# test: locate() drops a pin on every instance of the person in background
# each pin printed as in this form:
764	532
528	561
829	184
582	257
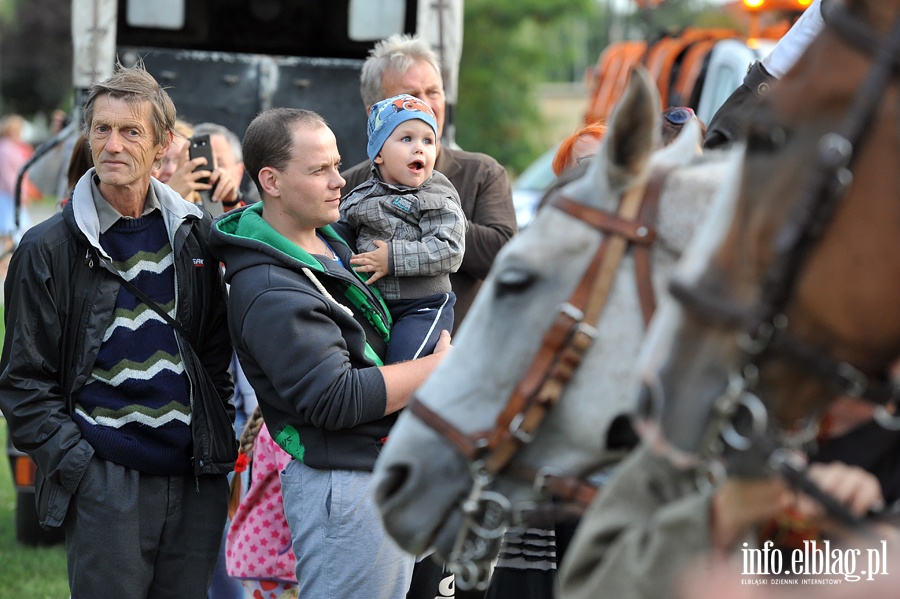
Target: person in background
409	226
227	151
14	153
581	144
176	156
403	64
730	121
182	173
225	179
58	120
125	412
673	120
258	547
311	338
80	162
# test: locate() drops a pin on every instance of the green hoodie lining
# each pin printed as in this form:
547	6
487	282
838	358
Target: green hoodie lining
249	224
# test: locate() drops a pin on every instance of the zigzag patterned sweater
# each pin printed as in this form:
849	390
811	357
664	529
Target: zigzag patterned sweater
135	409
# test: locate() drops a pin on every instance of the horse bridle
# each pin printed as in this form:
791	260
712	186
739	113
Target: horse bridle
764	327
561	352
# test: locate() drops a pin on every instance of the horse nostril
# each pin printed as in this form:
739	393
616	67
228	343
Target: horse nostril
392	481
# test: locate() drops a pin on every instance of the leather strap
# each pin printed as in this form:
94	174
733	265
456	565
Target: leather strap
468	447
643	253
612	224
568	489
153	305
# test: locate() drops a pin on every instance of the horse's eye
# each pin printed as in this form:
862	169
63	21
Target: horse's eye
513	281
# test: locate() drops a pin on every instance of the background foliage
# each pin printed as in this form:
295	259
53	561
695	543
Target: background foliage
35	56
505	55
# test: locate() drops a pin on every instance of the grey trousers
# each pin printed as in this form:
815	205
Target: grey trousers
341	546
131	535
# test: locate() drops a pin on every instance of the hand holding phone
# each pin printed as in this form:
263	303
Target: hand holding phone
201	146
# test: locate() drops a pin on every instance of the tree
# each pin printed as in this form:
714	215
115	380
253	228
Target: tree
505	56
36	50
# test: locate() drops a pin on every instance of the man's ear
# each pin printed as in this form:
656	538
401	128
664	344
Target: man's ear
164	147
268	180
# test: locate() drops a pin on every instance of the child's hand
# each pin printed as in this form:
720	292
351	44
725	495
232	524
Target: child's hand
375	262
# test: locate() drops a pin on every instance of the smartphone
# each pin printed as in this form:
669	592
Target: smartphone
200	146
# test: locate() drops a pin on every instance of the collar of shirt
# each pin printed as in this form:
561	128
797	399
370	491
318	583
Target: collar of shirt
108	216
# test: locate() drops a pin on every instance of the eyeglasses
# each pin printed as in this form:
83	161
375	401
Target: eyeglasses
678	115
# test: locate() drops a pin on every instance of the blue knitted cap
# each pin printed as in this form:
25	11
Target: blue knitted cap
387	114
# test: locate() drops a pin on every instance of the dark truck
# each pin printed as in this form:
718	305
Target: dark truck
224	61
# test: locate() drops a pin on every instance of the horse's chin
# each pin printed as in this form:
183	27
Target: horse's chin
418	525
445	536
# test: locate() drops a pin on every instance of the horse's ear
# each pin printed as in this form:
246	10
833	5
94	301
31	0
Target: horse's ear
633	128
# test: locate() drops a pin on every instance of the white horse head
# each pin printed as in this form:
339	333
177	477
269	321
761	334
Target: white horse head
422	480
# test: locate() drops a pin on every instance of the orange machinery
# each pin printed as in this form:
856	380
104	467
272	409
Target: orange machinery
677	61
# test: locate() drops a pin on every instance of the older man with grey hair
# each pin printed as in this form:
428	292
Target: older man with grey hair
115	362
403	64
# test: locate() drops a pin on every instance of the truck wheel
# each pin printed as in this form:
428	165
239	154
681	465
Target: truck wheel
28	530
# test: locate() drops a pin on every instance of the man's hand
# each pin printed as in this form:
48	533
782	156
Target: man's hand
852	486
737	505
375	262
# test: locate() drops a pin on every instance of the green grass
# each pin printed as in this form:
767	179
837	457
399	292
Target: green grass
25	572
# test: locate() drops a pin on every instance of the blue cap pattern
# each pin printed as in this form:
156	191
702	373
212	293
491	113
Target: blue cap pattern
385	115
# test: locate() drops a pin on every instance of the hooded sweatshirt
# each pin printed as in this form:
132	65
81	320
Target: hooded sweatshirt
299	324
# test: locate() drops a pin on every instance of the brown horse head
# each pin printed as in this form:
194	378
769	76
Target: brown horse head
798	301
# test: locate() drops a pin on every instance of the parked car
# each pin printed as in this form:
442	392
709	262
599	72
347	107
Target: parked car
529	187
